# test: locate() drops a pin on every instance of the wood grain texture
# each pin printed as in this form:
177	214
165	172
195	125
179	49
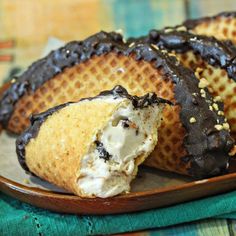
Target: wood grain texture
131	202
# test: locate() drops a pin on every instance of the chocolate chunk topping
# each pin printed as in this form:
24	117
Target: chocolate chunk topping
102	151
202	140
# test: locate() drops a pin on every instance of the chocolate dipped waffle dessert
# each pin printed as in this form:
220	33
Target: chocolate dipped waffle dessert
92	147
213	61
193	139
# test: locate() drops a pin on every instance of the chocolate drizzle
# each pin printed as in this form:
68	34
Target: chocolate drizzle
192	23
213	51
138	102
206	146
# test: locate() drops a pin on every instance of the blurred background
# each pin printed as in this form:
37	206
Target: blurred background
27	26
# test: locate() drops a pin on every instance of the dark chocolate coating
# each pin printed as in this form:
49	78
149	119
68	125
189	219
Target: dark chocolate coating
192	23
138	102
207	147
215	52
44	69
37	120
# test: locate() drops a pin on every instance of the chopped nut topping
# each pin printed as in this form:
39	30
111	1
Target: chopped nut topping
181	28
226	126
13	81
203	93
217	99
193	39
220	113
131	45
203	83
173	55
164	51
192	120
218	127
168	30
155	46
215	106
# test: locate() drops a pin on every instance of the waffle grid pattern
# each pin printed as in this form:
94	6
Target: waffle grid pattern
223	28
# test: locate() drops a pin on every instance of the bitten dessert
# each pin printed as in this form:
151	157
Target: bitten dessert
222	26
92	147
193	139
213	61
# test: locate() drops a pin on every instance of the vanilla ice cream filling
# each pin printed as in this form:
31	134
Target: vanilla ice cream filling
109	166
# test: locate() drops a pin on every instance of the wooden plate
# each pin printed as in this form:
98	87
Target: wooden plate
151	189
143	200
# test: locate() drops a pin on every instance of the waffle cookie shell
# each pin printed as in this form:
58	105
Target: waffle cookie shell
102	61
222	26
